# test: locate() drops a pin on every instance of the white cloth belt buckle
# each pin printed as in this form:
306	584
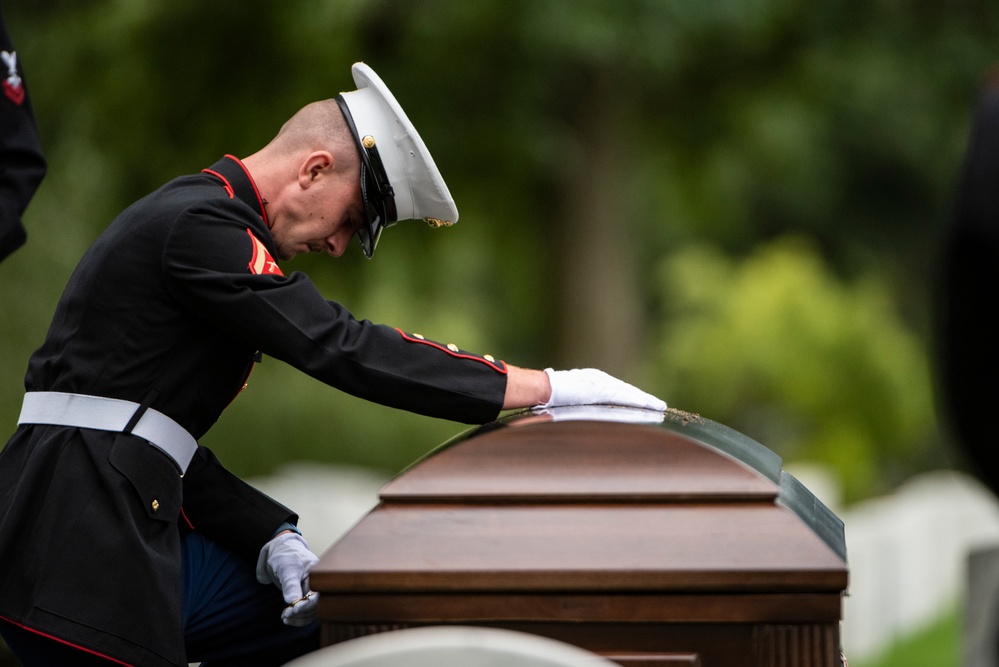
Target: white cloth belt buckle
109	414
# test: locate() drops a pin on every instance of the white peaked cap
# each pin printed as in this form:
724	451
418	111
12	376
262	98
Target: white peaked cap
419	189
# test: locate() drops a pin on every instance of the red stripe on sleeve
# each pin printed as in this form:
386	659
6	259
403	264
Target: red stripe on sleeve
497	366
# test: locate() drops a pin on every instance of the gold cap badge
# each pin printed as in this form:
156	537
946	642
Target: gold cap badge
437	223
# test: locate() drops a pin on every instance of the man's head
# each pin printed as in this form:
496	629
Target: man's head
346	166
307	176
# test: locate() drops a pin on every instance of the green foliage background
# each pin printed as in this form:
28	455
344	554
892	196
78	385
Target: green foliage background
734	204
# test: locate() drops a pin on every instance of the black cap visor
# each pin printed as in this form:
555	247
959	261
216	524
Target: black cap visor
377	196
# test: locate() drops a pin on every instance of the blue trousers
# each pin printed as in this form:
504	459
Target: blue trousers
230	619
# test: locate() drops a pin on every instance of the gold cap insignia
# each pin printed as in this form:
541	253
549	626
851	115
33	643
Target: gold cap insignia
368	141
437	223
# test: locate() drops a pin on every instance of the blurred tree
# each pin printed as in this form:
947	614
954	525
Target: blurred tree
818	369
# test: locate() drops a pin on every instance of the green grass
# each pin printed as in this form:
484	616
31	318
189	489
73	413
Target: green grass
937	645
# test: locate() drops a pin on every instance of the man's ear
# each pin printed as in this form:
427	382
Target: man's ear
315	165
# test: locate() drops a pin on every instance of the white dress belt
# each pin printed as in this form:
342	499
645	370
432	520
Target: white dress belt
109	414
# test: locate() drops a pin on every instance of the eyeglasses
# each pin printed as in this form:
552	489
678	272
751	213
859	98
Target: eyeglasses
377	195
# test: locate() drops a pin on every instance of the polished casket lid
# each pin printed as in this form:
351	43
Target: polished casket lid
593	499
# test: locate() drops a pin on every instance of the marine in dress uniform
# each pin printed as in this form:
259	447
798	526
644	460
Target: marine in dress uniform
22	164
110	512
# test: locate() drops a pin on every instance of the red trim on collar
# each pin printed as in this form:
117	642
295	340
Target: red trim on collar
260	200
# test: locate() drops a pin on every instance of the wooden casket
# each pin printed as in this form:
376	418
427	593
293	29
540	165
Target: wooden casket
651	541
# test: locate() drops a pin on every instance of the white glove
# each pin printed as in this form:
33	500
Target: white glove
285	561
589	386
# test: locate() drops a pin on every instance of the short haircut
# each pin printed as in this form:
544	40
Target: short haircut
318	126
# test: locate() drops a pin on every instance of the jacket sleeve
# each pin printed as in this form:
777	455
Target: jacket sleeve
22	164
207	262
